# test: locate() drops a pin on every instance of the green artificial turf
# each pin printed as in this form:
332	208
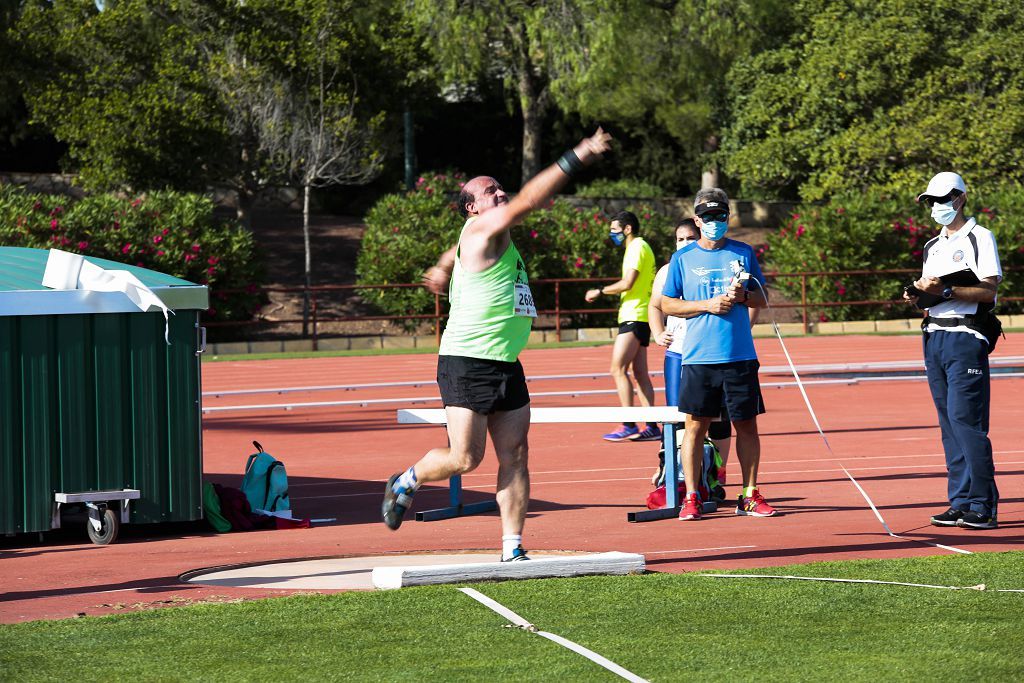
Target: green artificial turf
663	627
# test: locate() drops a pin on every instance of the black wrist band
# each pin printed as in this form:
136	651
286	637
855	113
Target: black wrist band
570	163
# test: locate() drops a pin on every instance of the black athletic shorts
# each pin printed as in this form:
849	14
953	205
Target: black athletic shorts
483	386
704	389
641	330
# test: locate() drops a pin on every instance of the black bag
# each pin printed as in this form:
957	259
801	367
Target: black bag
989	325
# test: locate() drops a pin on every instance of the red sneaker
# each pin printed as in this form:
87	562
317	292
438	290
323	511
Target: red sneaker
691	508
754	506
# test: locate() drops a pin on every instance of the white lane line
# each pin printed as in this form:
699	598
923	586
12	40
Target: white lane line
648	467
697	550
761	477
564	642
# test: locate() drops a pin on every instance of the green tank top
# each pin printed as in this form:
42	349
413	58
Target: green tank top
491	311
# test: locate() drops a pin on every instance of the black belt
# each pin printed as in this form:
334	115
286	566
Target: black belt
947	322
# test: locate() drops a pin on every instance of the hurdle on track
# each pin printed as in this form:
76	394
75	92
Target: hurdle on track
669	416
875	371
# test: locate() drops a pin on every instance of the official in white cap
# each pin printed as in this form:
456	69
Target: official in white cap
957	287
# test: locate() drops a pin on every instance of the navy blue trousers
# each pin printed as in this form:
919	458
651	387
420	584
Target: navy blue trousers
958	376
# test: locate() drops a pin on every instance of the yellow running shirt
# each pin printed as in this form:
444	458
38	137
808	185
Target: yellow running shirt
633	303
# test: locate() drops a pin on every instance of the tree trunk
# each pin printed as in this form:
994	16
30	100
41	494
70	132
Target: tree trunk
531	103
709	176
309	260
244	209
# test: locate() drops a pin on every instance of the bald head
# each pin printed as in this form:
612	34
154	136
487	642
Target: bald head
481	194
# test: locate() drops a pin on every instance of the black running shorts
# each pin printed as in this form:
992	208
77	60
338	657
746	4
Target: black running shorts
484	386
704	389
641	330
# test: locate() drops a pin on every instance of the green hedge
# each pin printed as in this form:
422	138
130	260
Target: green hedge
624	187
169	232
867	233
405	234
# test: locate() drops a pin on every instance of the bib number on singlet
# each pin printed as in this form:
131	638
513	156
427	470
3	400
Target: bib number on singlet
523	301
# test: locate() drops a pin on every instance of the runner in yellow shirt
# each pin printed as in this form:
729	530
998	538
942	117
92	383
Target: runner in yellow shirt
630	349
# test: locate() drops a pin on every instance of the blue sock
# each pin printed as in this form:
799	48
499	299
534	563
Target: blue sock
407	482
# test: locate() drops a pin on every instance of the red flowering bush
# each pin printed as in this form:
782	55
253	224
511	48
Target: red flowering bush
875	234
406	233
169	232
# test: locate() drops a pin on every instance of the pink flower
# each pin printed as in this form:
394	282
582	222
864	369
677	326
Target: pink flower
211	270
189	257
823	318
394	230
140	264
166	230
37	206
195	248
160	253
841	290
579	262
136	202
126	248
157	239
213	260
533	234
53	224
800	230
65	241
117	226
795	216
83	245
840	210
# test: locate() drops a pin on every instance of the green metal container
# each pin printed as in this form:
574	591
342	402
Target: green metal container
92	398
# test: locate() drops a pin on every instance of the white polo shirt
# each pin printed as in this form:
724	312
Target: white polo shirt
972	246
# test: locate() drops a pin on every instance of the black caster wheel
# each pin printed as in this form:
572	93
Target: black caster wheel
109	526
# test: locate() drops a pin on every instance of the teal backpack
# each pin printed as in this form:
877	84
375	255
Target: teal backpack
265	483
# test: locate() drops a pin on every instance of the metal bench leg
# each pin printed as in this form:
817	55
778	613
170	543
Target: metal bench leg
456	508
671	509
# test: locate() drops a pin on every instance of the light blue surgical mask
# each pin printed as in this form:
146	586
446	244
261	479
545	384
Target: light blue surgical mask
682	243
617	238
714	230
943	214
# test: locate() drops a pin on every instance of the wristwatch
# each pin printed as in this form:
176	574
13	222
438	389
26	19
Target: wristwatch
947	293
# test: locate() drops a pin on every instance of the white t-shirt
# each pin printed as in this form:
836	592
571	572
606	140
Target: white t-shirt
677	326
972	246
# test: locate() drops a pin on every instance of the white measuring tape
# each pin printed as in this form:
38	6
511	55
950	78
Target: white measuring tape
518	622
979	587
814	417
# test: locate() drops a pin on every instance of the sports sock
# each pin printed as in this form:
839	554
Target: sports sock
407	482
748	491
509	542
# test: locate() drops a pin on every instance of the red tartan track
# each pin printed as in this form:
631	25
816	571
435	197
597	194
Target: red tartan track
884	432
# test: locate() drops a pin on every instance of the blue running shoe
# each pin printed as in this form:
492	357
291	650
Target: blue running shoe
623	434
395	504
518	555
650	433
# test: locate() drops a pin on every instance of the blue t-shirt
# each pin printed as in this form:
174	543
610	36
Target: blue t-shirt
696	273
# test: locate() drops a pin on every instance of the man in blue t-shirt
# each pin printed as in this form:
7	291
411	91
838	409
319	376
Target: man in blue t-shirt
705	284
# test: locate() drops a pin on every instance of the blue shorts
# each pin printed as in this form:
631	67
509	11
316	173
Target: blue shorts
704	388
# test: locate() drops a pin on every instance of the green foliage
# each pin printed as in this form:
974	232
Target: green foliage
880	95
183	94
168	232
859	232
624	187
406	233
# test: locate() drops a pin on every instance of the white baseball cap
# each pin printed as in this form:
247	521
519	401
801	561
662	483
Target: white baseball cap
942	184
